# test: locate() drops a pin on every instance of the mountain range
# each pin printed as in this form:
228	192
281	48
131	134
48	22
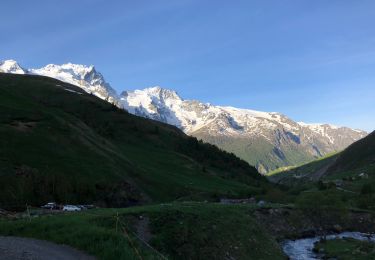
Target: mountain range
267	140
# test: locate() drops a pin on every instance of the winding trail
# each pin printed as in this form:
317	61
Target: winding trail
17	248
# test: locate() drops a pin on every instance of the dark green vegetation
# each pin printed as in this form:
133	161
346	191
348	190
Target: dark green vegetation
358	155
212	232
346	249
324	209
73	147
179	231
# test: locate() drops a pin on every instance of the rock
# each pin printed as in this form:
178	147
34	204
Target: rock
337	228
3	212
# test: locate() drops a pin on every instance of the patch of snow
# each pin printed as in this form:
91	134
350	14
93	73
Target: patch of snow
73	91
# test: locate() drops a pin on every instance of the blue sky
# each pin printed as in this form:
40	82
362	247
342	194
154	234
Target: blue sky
311	60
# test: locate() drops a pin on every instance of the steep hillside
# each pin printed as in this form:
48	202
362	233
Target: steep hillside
60	143
357	155
356	159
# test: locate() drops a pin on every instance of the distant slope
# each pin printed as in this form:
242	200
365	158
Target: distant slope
309	172
358	157
60	143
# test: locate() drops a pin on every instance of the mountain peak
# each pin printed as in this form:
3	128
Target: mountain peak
9	62
11	66
154	93
157	90
86	77
83	76
76	70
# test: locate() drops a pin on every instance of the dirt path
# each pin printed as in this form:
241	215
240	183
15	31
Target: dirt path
143	230
18	248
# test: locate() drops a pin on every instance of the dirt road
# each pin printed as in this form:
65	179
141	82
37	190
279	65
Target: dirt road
17	248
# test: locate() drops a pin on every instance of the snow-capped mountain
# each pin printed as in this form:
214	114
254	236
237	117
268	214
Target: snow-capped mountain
83	76
11	66
267	140
193	116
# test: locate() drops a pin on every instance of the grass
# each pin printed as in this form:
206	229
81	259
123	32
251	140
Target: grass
179	231
77	230
302	173
347	249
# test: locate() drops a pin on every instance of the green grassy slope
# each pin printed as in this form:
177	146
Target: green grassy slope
59	145
178	231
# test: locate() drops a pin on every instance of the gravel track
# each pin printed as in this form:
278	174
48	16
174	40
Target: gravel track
19	248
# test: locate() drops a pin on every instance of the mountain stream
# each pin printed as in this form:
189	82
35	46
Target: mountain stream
302	249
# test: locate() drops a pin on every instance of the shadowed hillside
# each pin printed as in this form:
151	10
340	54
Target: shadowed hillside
60	143
359	154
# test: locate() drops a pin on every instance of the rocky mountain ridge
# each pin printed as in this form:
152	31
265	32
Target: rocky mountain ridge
267	140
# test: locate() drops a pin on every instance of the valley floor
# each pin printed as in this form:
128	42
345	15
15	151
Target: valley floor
181	230
165	231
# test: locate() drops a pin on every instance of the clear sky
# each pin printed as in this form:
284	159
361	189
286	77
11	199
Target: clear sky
311	60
